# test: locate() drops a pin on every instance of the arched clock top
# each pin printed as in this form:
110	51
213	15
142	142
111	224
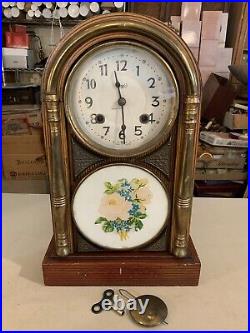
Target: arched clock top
81	39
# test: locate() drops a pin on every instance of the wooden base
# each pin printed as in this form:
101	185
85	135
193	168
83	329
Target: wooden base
121	269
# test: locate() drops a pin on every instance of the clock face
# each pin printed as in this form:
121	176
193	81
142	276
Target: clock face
117	206
121	99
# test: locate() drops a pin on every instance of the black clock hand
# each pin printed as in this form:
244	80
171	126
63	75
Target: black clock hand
117	84
121	102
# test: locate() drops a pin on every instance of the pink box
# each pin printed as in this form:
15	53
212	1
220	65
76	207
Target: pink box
208	53
224	59
223	28
211	23
195	51
191	32
176	22
191	11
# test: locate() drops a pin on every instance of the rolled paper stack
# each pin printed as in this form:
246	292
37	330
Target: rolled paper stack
58	10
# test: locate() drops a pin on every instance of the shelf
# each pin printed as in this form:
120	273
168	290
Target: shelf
19	85
234	175
48	22
25	70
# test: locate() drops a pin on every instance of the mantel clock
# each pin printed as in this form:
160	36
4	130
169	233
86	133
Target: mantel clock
121	102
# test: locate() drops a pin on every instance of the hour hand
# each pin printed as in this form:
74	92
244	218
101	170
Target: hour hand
117	83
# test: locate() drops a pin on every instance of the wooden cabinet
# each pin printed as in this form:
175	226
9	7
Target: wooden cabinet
237	30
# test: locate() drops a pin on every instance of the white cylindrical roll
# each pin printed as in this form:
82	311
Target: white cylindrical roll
46	13
30	13
62	4
15	12
34	7
73	11
94	7
20	5
38	3
38	13
12	4
106	11
84	10
5	4
119	5
7	13
63	12
48	5
73	3
56	14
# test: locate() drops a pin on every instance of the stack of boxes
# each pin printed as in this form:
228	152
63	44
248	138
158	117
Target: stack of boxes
214	57
206	38
22	136
17	54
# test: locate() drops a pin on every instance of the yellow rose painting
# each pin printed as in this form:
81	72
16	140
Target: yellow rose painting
124	206
113	207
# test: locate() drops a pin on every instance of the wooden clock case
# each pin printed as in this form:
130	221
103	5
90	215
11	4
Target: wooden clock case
170	259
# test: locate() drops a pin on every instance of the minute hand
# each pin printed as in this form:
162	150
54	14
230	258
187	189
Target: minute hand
121	102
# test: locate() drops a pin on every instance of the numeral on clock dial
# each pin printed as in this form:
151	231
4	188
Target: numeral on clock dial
106	129
91	84
121	65
104	69
89	102
138	130
151	81
155	102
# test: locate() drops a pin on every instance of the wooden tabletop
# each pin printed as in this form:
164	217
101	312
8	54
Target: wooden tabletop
219	231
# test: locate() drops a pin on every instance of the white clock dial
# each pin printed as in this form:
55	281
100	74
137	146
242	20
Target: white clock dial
121	96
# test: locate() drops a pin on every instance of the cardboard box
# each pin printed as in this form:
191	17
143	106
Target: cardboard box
16	39
17	58
222	139
24	166
211	25
190	33
19	28
218	95
236	121
21	119
24	156
22	143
